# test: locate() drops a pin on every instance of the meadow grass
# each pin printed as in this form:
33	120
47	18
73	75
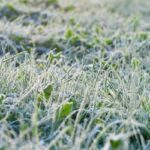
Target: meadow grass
74	75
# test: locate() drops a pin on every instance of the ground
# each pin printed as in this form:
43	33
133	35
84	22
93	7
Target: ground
74	75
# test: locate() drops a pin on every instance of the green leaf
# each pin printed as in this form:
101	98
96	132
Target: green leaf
2	97
11	7
143	36
65	110
54	56
23	1
135	63
75	39
69	33
24	126
47	91
98	29
116	144
40	97
69	8
17	38
108	41
52	2
72	21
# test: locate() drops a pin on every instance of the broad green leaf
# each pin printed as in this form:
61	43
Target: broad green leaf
65	110
143	36
116	144
108	41
69	33
47	91
75	39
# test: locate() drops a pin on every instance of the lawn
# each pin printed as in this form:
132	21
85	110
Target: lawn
74	75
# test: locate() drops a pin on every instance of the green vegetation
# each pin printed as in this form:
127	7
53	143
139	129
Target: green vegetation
74	75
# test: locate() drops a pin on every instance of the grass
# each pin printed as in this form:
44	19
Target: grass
74	76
